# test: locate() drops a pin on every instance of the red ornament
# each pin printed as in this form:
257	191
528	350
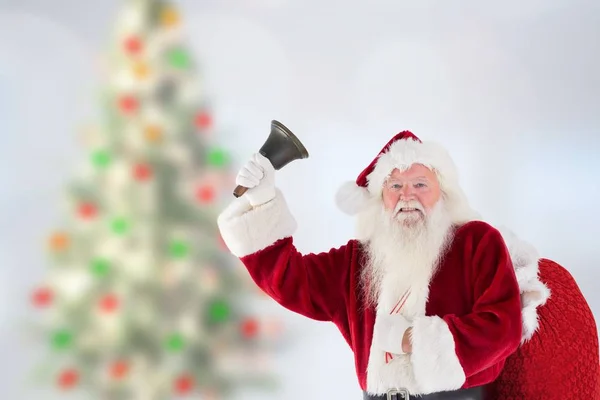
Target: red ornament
203	120
68	378
142	172
133	45
87	210
119	369
205	194
42	297
128	104
184	384
250	328
109	303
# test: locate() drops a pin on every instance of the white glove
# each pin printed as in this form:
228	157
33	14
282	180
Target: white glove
388	332
258	175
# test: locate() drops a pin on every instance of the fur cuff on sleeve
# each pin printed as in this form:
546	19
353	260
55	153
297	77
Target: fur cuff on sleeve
246	230
435	364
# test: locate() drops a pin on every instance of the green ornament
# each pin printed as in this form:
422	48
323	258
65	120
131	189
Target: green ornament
179	249
100	267
62	339
175	342
101	158
120	226
217	157
219	311
179	58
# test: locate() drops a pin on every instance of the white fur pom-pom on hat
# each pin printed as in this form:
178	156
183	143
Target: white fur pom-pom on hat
351	198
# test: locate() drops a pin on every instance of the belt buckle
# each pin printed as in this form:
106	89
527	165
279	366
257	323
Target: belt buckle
394	392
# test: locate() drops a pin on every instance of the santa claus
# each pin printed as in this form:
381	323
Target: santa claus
427	295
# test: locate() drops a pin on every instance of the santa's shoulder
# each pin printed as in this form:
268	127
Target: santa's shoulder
476	227
351	248
477	231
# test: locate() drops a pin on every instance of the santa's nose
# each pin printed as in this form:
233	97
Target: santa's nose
406	193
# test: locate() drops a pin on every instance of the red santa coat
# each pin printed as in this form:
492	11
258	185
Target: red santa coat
469	317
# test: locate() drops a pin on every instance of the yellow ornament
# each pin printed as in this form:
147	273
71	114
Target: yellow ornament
169	17
140	70
152	133
59	241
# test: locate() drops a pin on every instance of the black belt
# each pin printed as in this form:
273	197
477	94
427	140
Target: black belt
402	394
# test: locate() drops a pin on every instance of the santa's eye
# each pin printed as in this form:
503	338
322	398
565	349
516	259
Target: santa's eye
394	186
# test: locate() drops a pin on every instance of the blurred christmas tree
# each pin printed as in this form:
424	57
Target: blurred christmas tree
142	301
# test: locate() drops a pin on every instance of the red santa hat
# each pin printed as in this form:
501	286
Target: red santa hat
402	151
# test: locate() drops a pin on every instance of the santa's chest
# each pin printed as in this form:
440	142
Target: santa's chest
451	291
448	291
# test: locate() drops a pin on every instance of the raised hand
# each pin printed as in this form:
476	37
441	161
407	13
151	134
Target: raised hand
258	175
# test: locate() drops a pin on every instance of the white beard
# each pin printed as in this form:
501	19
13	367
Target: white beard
401	254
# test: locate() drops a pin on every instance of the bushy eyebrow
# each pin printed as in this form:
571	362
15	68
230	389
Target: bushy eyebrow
390	179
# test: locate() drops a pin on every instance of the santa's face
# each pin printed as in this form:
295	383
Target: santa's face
404	235
411	194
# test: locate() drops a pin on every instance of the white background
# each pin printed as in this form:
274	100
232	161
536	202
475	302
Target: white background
512	88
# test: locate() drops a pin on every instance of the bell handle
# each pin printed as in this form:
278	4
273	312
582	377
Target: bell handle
239	191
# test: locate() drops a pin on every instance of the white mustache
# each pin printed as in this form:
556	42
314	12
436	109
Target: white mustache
408	205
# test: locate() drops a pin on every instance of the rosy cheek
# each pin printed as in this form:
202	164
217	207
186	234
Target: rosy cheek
389	200
425	200
388	203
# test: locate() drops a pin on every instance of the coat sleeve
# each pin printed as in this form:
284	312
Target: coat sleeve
313	285
449	349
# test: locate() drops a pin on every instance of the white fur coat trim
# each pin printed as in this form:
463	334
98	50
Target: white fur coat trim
398	373
534	293
246	230
435	365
